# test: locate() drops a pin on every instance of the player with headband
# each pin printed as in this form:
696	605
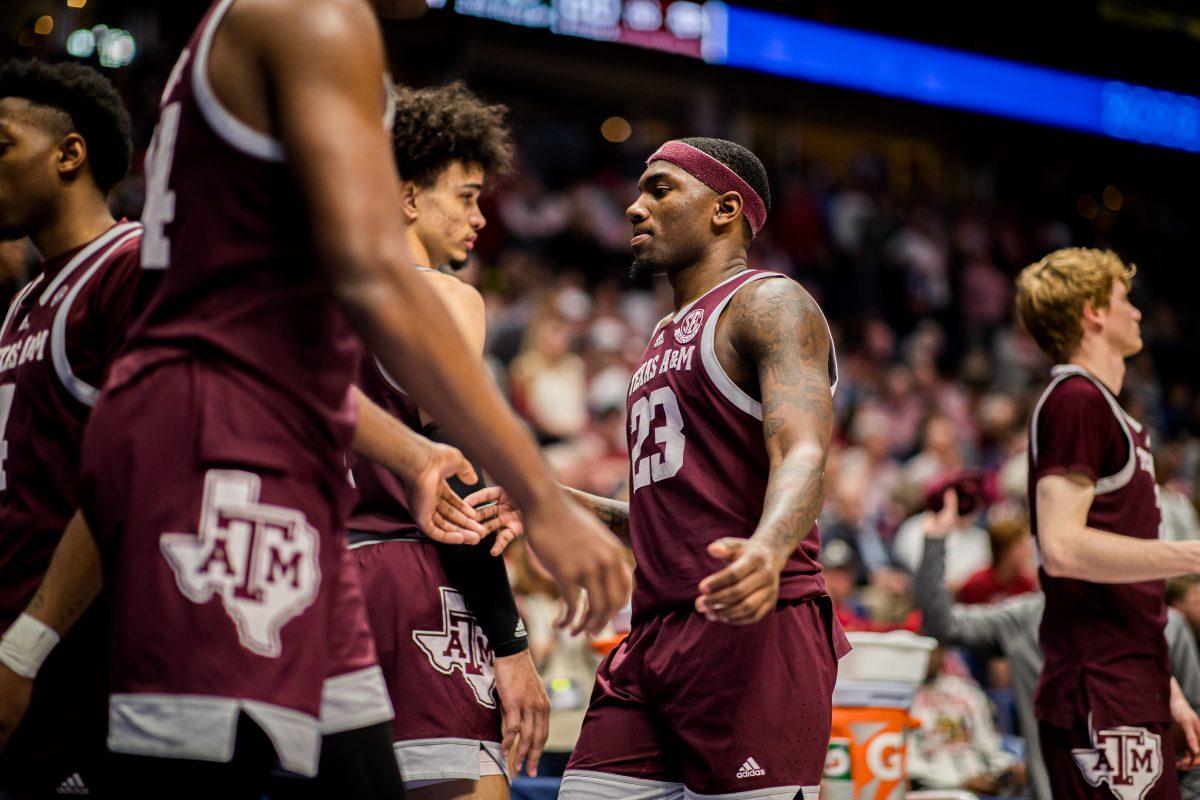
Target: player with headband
723	687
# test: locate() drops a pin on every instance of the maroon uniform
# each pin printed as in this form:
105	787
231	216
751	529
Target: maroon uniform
214	473
1103	697
435	658
683	700
58	338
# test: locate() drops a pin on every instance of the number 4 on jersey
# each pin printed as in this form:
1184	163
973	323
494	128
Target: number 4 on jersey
669	434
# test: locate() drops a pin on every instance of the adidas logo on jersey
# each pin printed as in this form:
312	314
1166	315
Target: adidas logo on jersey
520	631
72	785
658	342
751	769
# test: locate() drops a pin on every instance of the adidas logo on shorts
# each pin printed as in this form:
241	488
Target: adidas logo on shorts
751	769
72	785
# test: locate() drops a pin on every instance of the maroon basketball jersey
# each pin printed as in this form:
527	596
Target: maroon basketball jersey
61	333
1104	645
698	463
226	223
382	505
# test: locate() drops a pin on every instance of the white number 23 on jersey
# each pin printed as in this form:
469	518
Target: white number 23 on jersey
669	434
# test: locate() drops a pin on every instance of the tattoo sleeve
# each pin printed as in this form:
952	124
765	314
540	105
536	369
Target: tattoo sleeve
777	327
613	513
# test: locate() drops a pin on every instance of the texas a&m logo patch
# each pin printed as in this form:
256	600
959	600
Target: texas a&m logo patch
460	645
1127	759
259	559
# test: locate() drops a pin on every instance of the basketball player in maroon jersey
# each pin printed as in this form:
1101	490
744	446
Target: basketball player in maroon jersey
240	639
723	687
64	143
451	644
1106	699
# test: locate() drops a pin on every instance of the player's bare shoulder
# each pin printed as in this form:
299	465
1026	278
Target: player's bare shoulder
776	323
465	304
314	28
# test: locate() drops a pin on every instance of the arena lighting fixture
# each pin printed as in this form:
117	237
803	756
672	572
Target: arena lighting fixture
810	51
76	3
770	42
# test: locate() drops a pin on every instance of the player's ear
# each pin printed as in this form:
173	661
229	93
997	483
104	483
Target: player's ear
1091	314
408	199
71	155
728	210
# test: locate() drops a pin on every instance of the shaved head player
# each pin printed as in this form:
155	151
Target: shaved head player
723	687
240	637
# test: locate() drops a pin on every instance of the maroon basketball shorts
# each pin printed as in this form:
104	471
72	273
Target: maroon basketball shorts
232	590
436	661
687	708
1125	762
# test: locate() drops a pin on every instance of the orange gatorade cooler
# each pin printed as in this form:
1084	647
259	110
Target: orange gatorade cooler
875	688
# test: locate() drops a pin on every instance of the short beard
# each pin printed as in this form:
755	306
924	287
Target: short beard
642	269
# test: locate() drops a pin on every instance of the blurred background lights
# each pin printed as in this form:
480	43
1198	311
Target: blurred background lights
685	19
115	46
81	43
643	15
76	3
1113	199
616	129
1087	206
44	25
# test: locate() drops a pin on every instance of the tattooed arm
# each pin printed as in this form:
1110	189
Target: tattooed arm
777	332
613	513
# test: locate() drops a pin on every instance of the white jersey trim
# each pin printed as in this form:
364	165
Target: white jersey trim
20	296
355	700
232	130
712	365
101	241
1110	483
81	390
678	315
204	728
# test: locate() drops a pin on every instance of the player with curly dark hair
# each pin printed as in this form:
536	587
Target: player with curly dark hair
451	643
64	143
445	140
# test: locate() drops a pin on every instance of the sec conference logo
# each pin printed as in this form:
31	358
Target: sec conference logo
690	326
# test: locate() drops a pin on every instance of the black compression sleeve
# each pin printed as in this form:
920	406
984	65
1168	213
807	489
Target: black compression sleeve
483	581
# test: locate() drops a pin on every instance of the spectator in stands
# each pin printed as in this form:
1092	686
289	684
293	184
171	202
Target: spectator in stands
956	745
548	381
1012	570
1010	628
1179	519
1183	595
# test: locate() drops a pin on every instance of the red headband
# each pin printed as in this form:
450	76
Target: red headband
716	176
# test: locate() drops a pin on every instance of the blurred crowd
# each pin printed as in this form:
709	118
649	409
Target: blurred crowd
937	382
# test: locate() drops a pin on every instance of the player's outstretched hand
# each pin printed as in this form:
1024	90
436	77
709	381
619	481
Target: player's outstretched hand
580	554
497	513
526	711
1187	729
745	591
443	515
15	691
